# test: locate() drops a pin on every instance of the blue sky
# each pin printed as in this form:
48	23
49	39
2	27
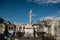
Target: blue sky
18	10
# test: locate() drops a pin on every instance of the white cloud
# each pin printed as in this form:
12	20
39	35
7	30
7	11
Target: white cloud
49	18
46	18
55	16
53	1
44	1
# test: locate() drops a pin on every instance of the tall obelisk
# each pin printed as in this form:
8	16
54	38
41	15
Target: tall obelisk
30	19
